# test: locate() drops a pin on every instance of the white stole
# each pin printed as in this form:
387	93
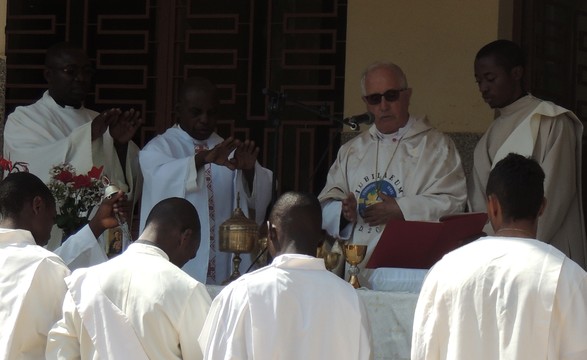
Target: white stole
109	328
523	138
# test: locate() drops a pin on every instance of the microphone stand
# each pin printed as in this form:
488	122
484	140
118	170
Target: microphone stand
277	102
275	108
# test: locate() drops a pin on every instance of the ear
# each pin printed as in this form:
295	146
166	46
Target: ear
272	239
408	92
494	211
47	75
517	72
542	207
185	238
37	204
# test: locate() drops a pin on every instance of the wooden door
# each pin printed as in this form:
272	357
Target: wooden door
554	35
143	49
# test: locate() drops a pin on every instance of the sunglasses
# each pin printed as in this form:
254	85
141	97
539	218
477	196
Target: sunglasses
390	95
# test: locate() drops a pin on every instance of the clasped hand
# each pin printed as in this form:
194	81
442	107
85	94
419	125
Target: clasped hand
377	214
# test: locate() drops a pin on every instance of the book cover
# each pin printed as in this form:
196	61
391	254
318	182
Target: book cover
420	244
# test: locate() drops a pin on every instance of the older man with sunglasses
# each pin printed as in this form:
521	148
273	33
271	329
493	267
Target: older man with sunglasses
401	168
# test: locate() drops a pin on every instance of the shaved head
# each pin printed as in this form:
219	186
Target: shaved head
174	226
298	218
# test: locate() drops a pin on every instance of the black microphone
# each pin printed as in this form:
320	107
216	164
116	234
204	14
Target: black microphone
354	121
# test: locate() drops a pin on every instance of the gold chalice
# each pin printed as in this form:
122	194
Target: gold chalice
354	254
331	260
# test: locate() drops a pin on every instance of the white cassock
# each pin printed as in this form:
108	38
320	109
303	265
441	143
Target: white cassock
291	309
552	136
169	170
418	165
135	306
31	294
502	298
45	134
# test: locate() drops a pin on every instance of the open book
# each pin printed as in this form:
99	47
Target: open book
420	244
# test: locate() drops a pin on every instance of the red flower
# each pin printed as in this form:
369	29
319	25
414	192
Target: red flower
81	181
95	172
5	164
64	176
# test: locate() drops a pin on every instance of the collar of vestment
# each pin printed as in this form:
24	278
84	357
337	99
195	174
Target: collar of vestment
146	249
298	261
520	104
16	236
212	141
49	99
393	137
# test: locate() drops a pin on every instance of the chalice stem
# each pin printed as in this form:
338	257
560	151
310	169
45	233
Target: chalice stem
354	280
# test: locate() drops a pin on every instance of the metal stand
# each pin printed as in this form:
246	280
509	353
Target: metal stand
277	102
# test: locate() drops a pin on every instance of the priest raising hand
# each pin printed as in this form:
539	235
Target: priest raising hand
101	122
245	158
218	155
190	160
125	125
58	128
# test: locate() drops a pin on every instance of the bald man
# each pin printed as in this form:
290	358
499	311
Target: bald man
139	305
293	308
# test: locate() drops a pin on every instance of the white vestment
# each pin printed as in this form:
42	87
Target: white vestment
137	305
31	294
45	134
502	298
557	148
169	170
418	165
291	309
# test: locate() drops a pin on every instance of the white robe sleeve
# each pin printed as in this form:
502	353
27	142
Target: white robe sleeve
81	250
560	183
29	141
164	176
62	341
229	314
260	196
440	187
569	315
193	318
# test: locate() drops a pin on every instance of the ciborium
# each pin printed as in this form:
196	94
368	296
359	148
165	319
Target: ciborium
237	235
326	251
331	260
354	255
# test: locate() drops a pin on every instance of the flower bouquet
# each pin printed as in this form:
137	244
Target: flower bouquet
75	195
